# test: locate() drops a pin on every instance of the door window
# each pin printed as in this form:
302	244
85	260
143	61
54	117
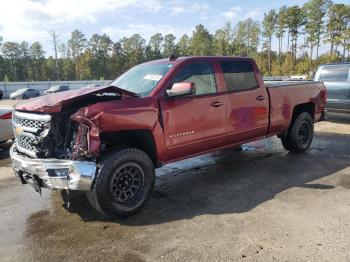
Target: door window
201	74
239	75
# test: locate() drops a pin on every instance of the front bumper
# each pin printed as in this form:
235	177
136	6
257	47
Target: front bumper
53	173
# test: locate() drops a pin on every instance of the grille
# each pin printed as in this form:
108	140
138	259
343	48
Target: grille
29	129
27	143
29	122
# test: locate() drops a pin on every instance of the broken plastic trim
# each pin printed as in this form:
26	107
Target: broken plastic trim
87	143
81	146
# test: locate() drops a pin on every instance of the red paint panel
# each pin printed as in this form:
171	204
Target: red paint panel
53	103
285	99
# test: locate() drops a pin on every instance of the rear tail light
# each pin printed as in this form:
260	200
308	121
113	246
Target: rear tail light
6	116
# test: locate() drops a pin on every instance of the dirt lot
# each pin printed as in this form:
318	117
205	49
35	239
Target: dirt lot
260	204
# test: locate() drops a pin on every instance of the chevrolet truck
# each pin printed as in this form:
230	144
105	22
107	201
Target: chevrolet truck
108	140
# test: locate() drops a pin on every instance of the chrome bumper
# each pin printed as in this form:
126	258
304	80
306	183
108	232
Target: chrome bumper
54	173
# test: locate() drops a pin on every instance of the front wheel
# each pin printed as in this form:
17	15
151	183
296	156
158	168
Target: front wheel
123	183
300	134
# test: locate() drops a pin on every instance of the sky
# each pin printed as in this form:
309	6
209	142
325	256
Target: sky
32	20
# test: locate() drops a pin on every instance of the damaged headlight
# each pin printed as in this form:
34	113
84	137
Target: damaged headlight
81	147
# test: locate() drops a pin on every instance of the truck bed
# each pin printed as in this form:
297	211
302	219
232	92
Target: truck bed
276	84
286	95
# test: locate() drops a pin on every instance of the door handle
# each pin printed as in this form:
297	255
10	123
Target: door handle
217	104
260	98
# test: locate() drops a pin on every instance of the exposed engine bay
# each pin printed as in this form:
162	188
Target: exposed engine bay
59	135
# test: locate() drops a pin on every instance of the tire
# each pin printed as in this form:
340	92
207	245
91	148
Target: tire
300	134
123	184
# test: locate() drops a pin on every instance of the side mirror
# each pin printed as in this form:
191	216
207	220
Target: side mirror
181	89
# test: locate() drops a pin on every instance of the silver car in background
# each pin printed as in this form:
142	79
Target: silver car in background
25	93
336	78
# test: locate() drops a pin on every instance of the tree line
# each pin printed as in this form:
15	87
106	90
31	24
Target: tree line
299	30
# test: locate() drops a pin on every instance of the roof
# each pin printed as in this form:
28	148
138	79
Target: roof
183	58
338	63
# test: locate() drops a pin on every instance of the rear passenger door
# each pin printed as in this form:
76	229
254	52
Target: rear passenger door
247	102
194	123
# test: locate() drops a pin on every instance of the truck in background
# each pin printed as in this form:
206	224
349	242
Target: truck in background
336	78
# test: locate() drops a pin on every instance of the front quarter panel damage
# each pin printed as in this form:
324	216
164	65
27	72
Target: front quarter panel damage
126	114
87	142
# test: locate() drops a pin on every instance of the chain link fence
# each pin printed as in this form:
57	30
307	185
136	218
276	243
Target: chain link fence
41	86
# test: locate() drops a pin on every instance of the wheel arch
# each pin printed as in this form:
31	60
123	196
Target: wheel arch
142	139
301	108
308	107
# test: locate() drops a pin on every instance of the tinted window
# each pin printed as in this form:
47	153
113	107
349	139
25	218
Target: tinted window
239	75
334	73
201	74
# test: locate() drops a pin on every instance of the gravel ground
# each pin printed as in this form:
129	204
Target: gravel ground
260	204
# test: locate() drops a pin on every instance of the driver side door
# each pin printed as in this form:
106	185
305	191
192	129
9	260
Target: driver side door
194	123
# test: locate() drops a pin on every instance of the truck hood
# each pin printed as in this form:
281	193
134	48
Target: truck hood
53	103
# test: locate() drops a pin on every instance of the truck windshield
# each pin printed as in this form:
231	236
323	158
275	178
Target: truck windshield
142	79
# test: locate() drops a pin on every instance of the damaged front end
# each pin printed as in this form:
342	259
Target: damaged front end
54	147
60	136
53	151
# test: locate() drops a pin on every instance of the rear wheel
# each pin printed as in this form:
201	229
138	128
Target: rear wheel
300	134
123	183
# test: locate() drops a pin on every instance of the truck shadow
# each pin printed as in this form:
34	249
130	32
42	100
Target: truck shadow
233	182
338	118
5	153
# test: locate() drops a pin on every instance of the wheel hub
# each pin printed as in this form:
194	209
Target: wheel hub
303	134
124	182
127	182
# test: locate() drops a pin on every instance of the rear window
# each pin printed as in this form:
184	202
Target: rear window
334	73
239	75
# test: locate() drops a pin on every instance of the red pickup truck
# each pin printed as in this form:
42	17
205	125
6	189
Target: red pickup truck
108	141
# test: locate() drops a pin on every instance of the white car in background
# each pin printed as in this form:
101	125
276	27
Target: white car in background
56	89
6	131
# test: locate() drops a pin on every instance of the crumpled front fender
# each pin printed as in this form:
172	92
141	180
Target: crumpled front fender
122	115
94	141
